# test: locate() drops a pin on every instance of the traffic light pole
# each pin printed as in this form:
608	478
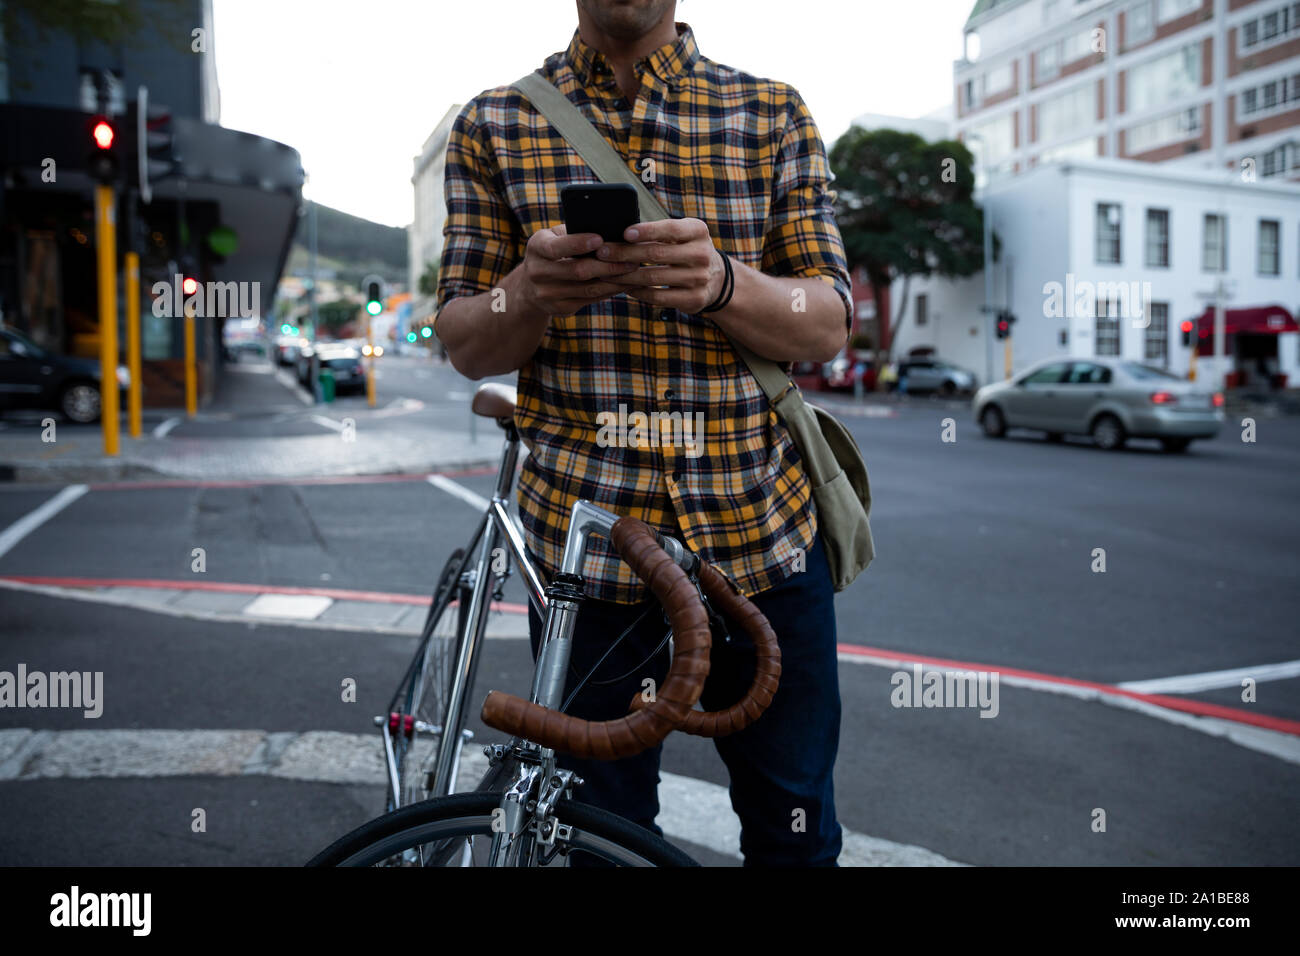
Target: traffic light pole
106	252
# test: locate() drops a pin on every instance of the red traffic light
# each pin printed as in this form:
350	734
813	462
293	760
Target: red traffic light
190	285
103	134
1187	325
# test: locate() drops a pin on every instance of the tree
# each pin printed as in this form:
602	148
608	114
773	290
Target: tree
905	208
429	279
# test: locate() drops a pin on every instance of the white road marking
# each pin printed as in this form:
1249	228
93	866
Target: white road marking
473	499
301	607
1213	680
327	422
691	810
165	428
34	519
1282	746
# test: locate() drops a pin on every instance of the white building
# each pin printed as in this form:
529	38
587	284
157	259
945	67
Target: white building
1078	236
424	237
1199	83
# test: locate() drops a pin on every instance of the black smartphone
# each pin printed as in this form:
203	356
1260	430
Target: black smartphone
604	208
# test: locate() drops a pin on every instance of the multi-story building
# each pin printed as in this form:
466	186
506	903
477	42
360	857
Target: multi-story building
1206	83
1138	161
424	237
224	214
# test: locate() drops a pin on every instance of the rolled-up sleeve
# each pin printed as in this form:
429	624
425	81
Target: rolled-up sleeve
482	239
802	237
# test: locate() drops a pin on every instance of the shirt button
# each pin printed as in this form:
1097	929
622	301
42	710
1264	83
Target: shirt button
669	393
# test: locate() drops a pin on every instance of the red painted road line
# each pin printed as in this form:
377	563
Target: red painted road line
1194	707
256	482
235	587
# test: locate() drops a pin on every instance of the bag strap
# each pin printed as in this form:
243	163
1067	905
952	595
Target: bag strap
610	167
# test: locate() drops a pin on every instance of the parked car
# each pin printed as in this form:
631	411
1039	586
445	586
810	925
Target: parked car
33	377
851	365
287	348
345	364
1110	399
929	375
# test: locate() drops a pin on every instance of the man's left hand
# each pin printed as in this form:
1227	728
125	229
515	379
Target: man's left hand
680	268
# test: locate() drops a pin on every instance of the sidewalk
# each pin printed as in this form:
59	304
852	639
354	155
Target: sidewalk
257	399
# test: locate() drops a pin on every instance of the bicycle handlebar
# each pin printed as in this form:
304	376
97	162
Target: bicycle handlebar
649	723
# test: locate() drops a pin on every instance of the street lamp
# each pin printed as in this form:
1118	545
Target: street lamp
987	308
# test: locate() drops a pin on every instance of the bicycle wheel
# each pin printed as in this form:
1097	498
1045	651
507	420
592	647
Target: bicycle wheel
457	831
424	694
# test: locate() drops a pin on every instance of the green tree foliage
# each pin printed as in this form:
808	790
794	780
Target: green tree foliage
130	22
905	208
429	279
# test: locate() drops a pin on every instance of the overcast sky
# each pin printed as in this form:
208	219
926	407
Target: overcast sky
356	87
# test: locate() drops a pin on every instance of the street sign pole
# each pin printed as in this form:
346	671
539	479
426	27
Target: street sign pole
134	387
106	251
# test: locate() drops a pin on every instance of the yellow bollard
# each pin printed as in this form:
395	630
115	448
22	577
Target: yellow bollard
370	378
1006	356
191	372
106	249
136	389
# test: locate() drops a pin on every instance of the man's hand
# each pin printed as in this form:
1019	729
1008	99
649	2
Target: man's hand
554	282
678	266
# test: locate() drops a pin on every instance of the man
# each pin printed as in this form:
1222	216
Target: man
738	162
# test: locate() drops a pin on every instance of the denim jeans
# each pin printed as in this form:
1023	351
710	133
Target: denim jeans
781	766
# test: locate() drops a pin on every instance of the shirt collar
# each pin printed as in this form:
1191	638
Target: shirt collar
670	63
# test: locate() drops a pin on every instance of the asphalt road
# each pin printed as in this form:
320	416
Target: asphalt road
986	555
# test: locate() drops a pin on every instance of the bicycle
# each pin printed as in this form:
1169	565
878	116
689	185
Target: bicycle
522	812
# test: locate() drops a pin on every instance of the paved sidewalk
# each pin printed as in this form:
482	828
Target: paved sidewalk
259	397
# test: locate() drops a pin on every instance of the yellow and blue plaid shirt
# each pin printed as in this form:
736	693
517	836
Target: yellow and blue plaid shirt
712	143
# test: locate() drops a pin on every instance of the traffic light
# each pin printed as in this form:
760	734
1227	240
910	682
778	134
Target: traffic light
155	155
410	336
426	332
102	160
1187	332
374	297
1005	319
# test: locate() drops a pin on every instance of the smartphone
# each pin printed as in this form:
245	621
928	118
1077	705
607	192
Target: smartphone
604	208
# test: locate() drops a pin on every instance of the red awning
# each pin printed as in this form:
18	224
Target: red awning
1267	319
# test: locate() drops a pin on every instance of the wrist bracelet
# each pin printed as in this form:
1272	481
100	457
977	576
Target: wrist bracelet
728	287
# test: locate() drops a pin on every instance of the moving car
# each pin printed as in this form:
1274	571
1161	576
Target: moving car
33	377
341	359
927	374
1110	399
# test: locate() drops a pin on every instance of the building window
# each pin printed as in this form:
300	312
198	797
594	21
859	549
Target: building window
1067	114
922	307
1077	46
1214	244
1173	9
1158	238
1274	96
968	93
1171	128
1155	347
1106	333
1085	148
998	79
1047	62
1138	25
1279	24
1270	233
996	140
1165	79
1108	229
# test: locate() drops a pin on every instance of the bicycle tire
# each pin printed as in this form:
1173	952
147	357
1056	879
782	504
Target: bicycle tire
463	815
427	683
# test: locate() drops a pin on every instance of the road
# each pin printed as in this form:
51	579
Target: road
988	555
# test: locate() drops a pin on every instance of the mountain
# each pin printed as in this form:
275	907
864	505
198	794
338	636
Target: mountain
350	247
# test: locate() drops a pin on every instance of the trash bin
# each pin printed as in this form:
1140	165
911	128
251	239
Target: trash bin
326	385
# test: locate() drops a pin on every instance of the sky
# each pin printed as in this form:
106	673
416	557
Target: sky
356	87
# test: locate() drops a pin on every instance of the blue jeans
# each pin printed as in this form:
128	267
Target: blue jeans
781	766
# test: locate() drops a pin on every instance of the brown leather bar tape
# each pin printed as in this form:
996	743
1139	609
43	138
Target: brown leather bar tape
767	665
625	736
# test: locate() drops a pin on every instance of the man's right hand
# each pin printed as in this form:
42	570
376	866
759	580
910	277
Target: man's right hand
554	281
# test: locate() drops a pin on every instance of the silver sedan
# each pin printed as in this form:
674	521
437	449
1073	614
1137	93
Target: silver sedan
1110	399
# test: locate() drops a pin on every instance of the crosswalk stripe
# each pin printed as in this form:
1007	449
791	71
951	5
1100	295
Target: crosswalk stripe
692	811
37	517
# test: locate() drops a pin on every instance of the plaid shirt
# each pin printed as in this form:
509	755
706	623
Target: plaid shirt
743	155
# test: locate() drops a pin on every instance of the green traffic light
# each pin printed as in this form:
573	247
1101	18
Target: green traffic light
410	336
374	308
426	331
